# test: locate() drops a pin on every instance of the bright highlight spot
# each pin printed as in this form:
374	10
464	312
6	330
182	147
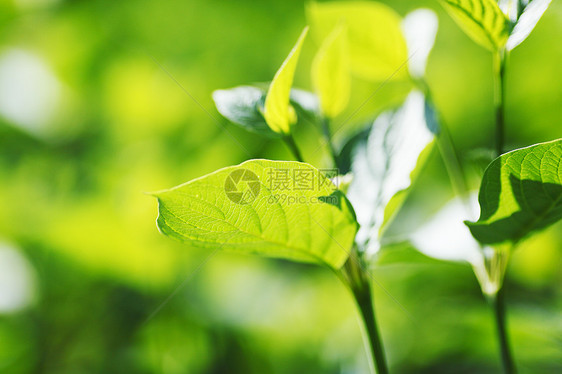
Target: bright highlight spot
17	283
29	92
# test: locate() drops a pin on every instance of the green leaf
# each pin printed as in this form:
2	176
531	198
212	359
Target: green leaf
241	105
531	15
377	48
482	20
521	192
278	113
331	73
278	209
383	166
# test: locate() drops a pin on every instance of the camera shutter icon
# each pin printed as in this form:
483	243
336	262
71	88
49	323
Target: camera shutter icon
242	186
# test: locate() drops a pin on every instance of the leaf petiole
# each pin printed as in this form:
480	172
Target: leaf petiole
448	152
292	145
358	282
328	138
500	61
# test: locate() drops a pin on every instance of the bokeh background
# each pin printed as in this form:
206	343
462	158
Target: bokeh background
92	115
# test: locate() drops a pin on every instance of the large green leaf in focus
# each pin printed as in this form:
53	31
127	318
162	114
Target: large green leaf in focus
383	164
377	48
278	112
278	209
482	20
521	192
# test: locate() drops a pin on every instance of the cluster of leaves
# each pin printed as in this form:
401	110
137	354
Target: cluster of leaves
381	157
497	25
238	208
521	191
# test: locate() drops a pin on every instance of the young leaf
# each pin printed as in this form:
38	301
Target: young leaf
521	192
482	20
241	105
420	29
377	48
531	15
331	74
382	165
278	112
278	209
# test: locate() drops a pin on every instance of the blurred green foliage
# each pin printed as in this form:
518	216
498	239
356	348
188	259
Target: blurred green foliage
101	101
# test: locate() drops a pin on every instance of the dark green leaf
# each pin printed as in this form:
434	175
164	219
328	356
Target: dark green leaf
243	106
521	192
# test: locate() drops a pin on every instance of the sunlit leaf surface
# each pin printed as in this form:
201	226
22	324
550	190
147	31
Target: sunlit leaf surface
278	112
377	47
482	20
331	73
279	209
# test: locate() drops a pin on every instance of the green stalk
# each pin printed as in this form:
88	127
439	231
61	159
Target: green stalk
500	60
328	137
496	299
497	303
290	142
358	282
364	300
453	165
448	153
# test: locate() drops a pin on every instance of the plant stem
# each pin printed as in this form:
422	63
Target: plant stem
497	303
364	299
496	299
328	137
453	165
448	152
359	284
500	60
290	141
